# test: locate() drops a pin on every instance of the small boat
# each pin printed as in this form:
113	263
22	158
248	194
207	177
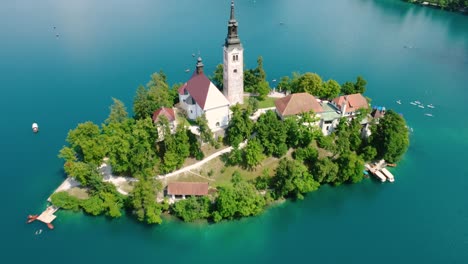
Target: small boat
398	102
187	70
417	102
428	114
274	80
421	106
38	232
430	106
281	23
50	226
35	128
57	35
31	218
391	164
193	54
413	103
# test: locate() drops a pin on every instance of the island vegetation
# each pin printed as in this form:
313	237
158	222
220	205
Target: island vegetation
452	5
138	147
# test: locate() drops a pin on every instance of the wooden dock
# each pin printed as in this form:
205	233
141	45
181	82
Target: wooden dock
47	216
378	169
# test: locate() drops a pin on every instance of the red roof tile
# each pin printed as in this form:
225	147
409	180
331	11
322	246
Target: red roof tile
297	103
187	188
167	112
354	102
198	87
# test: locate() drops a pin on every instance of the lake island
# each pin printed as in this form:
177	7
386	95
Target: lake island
228	146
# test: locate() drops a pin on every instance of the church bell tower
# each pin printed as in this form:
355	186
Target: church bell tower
233	62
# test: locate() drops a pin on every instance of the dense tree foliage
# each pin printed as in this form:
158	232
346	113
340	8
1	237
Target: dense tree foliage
271	132
255	80
192	208
253	153
351	88
118	112
301	129
86	140
218	76
65	201
205	132
239	128
239	200
390	137
445	4
156	95
292	179
142	201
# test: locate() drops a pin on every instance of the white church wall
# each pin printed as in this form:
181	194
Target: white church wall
217	117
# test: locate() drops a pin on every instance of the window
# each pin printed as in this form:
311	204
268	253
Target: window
235	57
191	111
217	124
235	70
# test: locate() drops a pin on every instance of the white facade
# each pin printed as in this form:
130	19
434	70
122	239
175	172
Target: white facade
233	75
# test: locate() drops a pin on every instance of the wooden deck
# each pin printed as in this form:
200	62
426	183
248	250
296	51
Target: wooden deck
48	215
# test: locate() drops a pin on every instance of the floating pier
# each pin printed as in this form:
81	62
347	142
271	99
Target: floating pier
378	170
46	217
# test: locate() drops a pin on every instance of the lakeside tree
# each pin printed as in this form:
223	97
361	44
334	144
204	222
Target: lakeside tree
156	95
390	137
118	112
192	208
292	179
255	80
330	89
118	141
308	82
351	88
239	200
285	84
326	171
142	146
351	168
86	140
142	200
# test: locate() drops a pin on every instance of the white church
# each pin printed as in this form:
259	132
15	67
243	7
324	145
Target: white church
200	96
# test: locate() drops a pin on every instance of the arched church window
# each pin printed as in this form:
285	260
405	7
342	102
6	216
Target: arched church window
235	70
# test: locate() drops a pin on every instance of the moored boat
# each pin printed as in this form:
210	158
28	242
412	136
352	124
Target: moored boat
35	128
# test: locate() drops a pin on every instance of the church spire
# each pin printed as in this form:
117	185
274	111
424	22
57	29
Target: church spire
232	10
232	37
199	66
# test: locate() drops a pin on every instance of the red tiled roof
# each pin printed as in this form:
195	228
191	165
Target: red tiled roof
297	103
181	89
198	87
187	188
167	112
355	102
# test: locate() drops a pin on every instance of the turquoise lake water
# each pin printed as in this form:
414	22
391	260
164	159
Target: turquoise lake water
107	48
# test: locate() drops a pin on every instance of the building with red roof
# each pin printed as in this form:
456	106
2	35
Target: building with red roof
199	96
349	105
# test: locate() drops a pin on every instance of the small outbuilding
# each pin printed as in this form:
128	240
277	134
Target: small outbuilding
183	189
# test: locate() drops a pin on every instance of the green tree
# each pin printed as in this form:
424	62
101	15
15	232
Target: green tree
65	201
284	84
326	171
218	76
252	105
309	82
253	153
262	89
203	128
368	153
143	203
87	141
272	135
292	179
142	141
118	141
351	168
331	89
239	128
351	88
192	208
156	95
390	137
118	112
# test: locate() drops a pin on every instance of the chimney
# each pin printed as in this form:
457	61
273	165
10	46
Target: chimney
343	106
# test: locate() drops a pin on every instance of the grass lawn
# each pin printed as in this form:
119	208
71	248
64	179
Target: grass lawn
268	102
221	174
80	193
